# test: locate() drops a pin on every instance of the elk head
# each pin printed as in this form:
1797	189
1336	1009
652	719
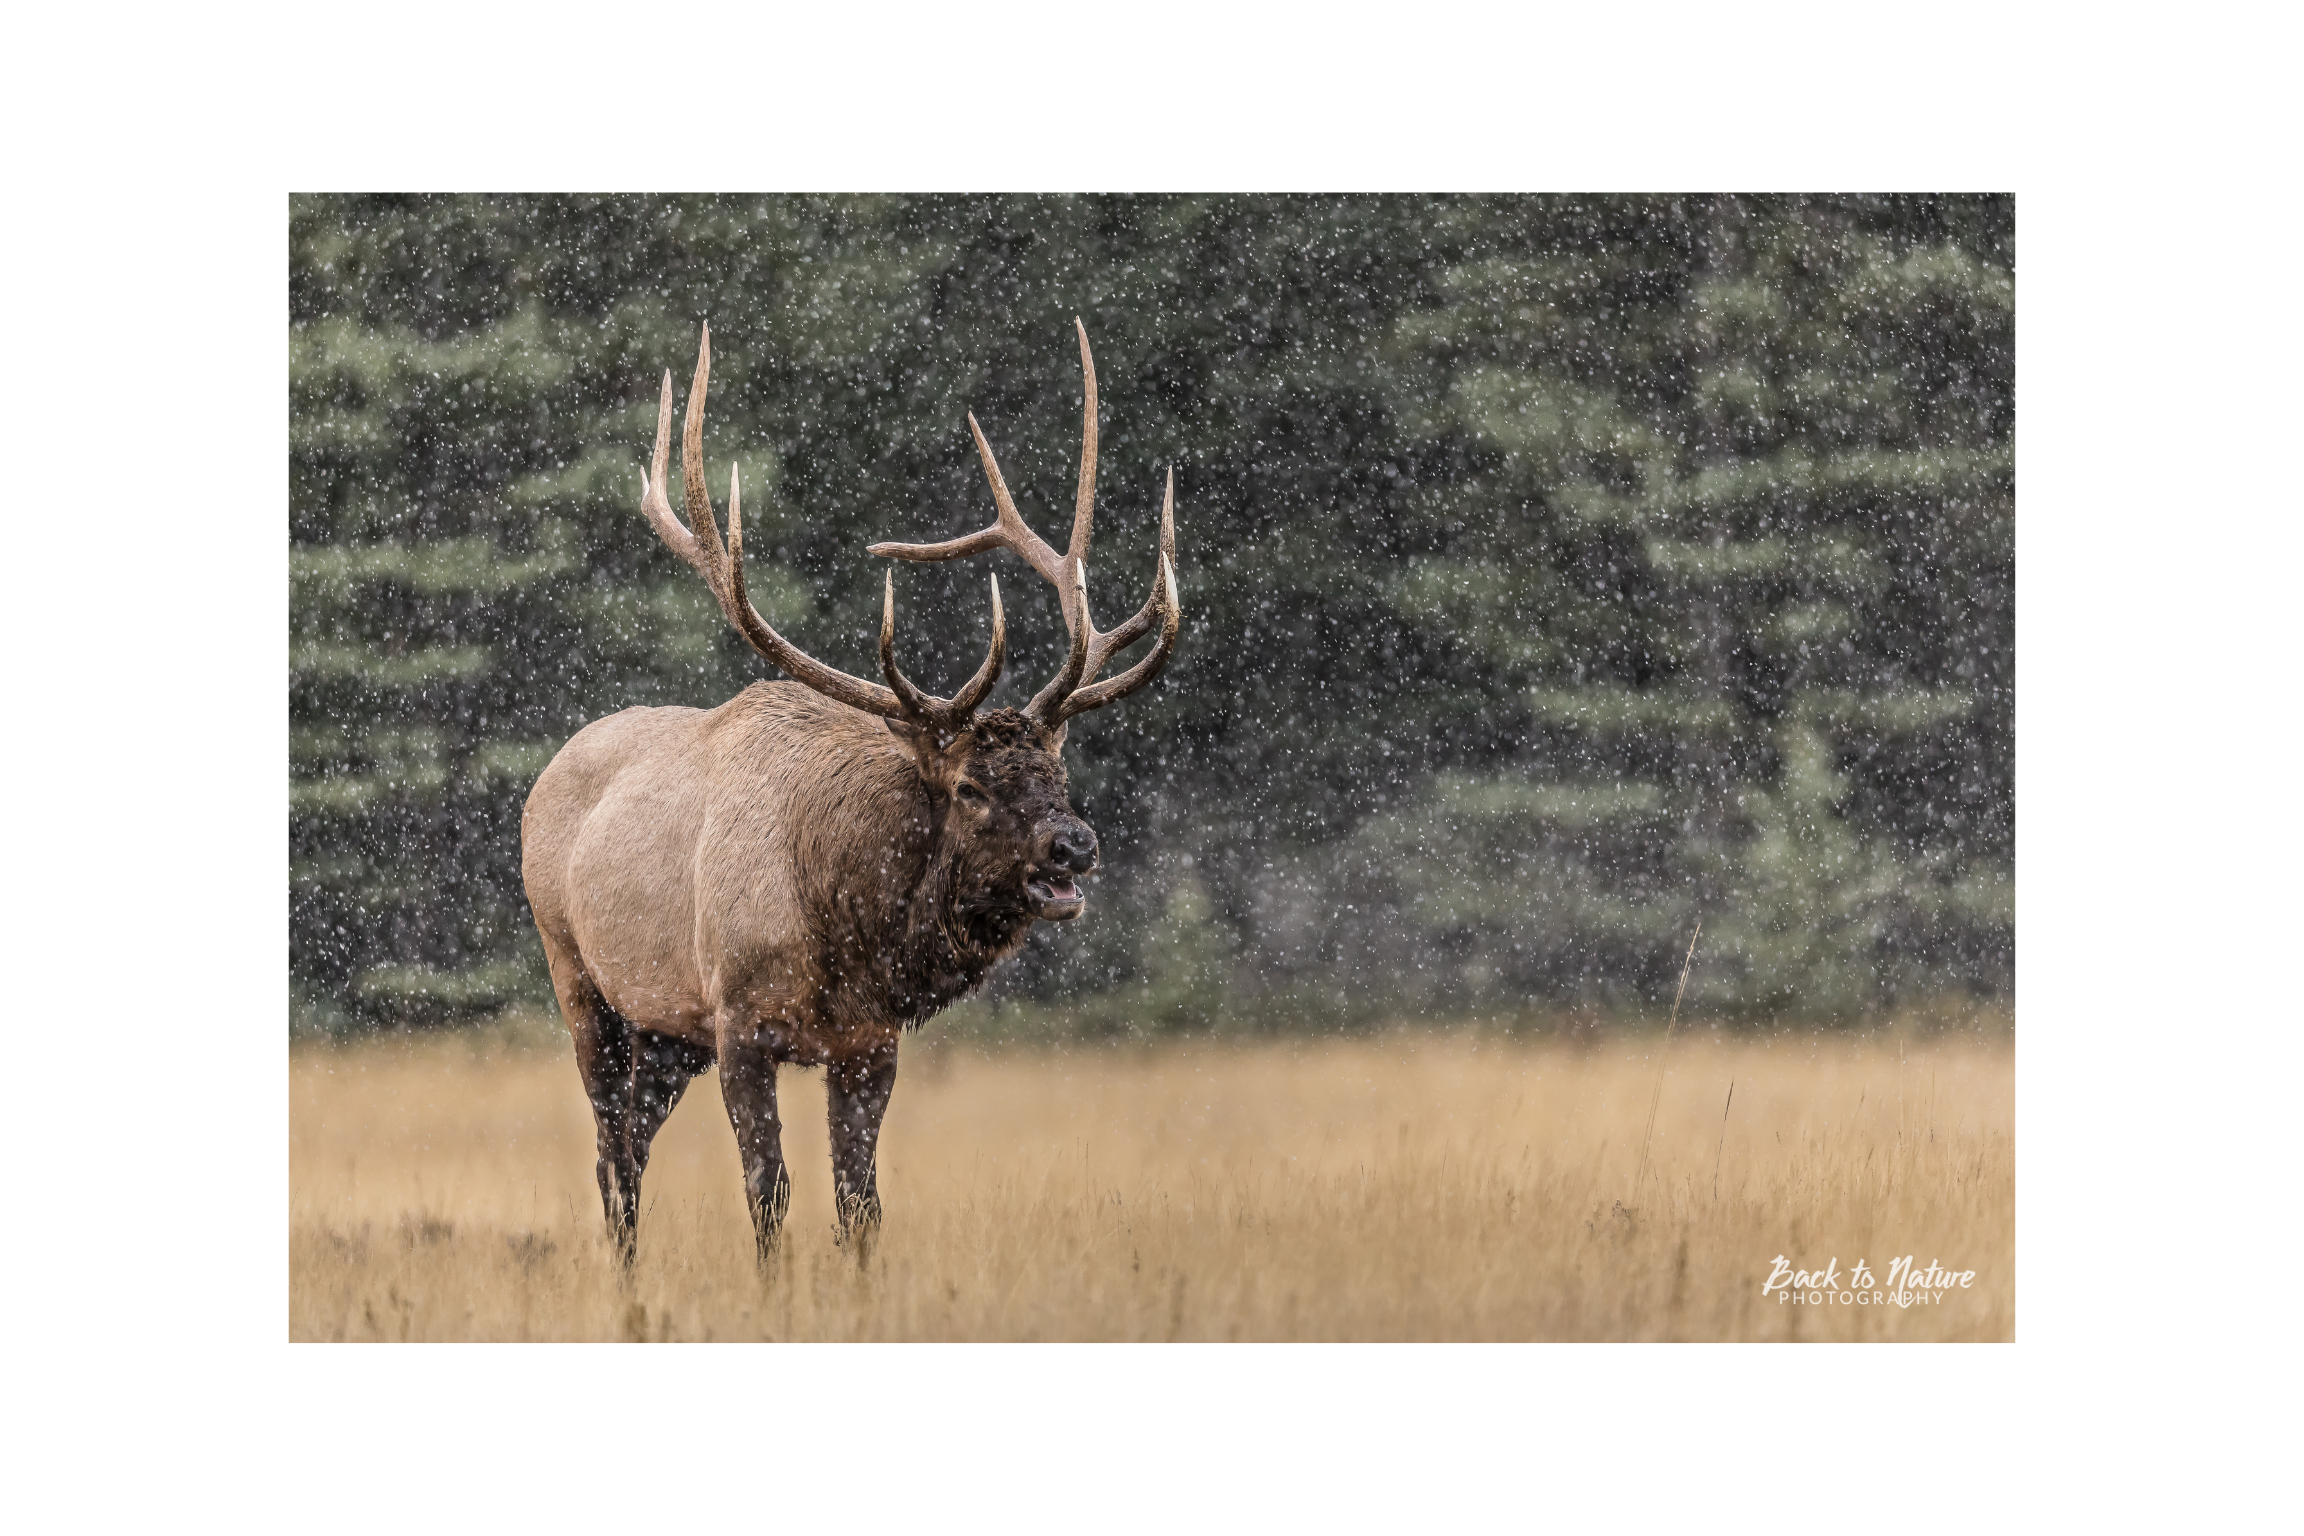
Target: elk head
1009	848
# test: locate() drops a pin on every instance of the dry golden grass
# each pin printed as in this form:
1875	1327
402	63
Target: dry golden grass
1399	1187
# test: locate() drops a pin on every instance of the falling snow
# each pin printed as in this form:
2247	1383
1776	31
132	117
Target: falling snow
1556	573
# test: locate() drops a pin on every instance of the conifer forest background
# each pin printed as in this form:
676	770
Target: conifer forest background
1557	572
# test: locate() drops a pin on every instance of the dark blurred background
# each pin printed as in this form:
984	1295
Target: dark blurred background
1557	571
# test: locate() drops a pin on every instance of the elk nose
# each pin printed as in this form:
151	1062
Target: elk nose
1073	848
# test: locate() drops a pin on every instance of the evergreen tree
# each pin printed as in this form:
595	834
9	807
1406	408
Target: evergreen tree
1736	535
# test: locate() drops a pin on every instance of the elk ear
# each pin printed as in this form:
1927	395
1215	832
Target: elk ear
915	741
934	762
1056	736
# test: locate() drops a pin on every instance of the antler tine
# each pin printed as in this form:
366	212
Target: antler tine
1162	607
652	499
1171	617
1049	701
1108	646
972	692
1168	518
702	526
1008	531
1084	504
947	717
919	705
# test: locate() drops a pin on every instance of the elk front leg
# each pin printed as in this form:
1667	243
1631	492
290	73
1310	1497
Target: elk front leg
855	1098
748	1084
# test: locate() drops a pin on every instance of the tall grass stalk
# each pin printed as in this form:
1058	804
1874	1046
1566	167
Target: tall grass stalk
1722	1146
1663	1056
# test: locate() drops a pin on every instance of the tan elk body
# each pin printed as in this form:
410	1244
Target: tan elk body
794	877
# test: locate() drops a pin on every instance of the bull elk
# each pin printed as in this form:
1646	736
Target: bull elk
800	874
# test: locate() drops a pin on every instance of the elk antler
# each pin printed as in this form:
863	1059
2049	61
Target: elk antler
1065	696
723	571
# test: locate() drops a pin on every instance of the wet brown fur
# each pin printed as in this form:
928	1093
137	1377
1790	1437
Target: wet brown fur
779	880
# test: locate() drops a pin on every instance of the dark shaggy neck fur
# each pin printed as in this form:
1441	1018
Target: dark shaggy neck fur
948	949
961	923
911	891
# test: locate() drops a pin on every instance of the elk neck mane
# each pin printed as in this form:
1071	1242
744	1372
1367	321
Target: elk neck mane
869	851
949	948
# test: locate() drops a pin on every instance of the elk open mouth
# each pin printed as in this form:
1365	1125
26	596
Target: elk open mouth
1055	898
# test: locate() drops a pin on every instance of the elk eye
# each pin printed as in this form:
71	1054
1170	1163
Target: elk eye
972	795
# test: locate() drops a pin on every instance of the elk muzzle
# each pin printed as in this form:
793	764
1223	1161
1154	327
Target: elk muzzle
1067	849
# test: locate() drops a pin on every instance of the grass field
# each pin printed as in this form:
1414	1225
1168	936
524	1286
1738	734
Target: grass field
1409	1186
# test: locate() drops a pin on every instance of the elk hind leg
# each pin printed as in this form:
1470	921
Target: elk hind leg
662	1068
603	1043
